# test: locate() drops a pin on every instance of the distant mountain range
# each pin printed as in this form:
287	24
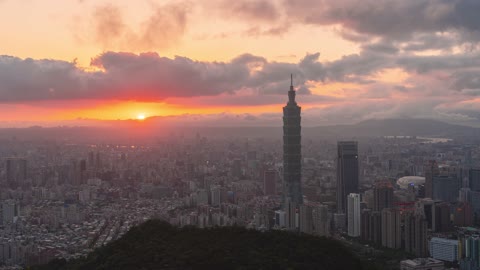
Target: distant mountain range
395	127
134	130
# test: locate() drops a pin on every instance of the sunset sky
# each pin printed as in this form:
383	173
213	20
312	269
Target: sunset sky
66	61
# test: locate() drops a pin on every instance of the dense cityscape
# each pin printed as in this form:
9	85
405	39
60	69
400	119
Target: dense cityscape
417	195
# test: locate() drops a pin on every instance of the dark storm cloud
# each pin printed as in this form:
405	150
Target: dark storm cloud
468	81
389	18
245	80
424	64
353	68
148	76
40	79
431	41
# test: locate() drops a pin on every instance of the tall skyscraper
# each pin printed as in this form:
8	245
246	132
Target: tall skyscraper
292	152
347	172
353	217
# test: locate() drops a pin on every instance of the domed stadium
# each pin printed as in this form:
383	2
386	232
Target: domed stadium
406	181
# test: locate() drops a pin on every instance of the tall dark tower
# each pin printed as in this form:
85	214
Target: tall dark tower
292	152
347	172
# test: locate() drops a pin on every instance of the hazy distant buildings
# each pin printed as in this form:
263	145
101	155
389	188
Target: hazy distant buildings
237	168
292	156
16	170
10	210
347	172
216	195
269	182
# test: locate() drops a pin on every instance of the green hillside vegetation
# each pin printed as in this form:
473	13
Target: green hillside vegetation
158	245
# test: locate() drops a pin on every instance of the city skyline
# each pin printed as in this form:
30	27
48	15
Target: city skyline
78	62
256	134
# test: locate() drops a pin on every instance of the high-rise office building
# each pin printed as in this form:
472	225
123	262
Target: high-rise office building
321	220
431	169
365	224
442	217
280	219
292	152
475	203
371	226
391	228
269	182
347	172
444	249
291	215
382	196
474	179
446	187
415	234
442	182
353	214
306	219
470	252
463	215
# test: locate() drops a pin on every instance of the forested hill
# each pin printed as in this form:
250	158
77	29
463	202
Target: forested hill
158	245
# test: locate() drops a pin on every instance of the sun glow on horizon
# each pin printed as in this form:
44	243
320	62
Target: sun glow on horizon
141	116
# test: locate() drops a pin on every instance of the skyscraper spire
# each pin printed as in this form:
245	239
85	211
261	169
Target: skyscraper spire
291	93
292	153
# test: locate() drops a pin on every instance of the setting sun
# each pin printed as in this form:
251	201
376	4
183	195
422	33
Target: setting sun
141	117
